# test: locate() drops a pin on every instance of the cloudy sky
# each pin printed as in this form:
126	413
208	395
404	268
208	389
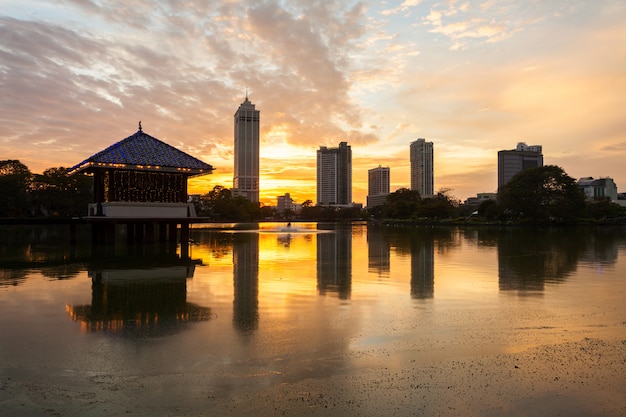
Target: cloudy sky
473	77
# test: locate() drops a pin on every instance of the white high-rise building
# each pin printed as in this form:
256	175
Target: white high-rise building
246	172
377	186
334	175
422	167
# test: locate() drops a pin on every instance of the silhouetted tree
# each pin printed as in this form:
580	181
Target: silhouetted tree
402	204
542	194
604	209
219	205
488	210
15	179
55	193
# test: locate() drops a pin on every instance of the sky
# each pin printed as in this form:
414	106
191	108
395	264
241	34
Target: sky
473	77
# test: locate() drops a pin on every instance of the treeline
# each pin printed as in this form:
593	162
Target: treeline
51	194
539	195
543	195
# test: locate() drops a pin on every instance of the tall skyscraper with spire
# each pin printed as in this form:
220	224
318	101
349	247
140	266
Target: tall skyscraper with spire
246	172
422	167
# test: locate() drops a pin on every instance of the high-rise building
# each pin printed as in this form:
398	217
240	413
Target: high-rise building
334	175
246	172
513	161
422	167
377	186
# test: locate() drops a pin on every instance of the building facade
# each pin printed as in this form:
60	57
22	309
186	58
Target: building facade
422	178
513	161
246	171
334	175
377	186
284	203
598	189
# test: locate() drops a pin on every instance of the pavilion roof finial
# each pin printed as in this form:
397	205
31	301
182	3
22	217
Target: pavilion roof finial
140	126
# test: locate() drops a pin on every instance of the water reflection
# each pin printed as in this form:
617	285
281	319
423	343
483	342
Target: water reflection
246	281
528	257
142	294
378	252
48	249
334	260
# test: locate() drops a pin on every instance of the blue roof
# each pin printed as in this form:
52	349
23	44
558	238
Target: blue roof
144	152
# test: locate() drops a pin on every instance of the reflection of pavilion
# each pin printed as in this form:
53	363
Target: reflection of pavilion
334	261
139	302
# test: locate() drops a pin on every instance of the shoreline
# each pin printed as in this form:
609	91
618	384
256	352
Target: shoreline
580	378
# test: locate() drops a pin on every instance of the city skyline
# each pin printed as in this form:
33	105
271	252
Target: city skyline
473	77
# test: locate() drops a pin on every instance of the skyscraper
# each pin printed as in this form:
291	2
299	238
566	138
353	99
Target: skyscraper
513	161
422	167
246	172
377	186
334	175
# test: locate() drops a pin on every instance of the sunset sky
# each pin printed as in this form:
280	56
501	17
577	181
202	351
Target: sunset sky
473	77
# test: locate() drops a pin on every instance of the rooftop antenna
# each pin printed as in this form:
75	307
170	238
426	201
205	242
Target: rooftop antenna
246	93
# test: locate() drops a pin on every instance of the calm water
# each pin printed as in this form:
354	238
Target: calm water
277	305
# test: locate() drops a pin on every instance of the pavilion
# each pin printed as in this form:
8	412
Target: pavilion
141	176
141	179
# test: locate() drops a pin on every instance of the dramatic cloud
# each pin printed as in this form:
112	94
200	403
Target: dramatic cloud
474	77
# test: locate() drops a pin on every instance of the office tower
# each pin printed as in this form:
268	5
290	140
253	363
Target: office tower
334	175
377	186
513	161
422	167
246	173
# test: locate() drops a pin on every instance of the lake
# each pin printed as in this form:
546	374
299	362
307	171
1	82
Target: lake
315	319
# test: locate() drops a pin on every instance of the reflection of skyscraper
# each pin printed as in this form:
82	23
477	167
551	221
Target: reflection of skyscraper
422	266
334	175
377	186
246	281
378	251
516	160
334	261
246	175
422	167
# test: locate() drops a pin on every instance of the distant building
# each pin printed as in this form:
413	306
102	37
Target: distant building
421	157
246	172
598	189
480	197
286	203
377	186
334	175
516	160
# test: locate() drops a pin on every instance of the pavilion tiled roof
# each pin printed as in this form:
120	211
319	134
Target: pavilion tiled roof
144	152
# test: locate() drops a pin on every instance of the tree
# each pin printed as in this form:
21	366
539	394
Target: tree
402	204
15	179
441	206
219	205
55	193
542	194
488	210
